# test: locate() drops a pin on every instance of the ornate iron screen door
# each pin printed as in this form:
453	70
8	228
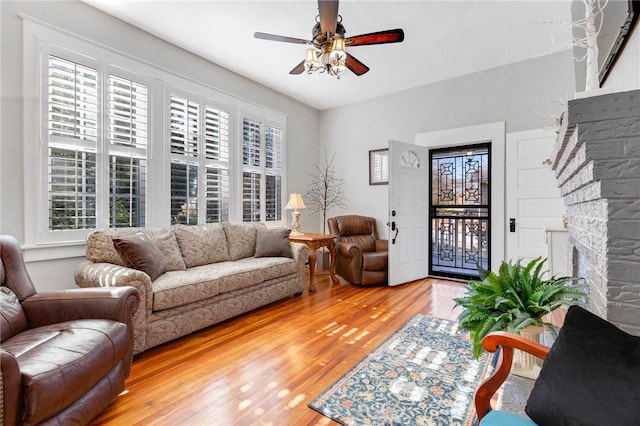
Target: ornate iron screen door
460	211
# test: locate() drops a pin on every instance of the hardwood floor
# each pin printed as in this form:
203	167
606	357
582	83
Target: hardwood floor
264	367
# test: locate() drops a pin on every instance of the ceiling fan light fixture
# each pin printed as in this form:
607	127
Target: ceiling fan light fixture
335	60
338	45
311	62
329	45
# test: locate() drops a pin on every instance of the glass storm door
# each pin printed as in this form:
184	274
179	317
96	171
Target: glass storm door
460	211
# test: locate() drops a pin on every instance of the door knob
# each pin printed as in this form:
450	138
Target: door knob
394	227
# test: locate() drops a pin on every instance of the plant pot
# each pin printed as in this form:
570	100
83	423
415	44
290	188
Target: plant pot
525	364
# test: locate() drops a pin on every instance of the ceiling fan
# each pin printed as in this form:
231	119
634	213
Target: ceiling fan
328	44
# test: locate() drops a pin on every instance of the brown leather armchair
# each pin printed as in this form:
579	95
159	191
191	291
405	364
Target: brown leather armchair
361	255
64	356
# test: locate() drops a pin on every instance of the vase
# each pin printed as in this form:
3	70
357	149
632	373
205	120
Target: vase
525	364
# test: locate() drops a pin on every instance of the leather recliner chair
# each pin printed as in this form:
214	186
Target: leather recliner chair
64	356
361	256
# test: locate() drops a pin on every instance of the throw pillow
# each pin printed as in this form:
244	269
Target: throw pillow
273	243
168	245
241	238
591	375
202	244
140	252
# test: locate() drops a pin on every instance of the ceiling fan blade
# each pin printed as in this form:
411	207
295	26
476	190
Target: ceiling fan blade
273	37
298	69
381	37
357	67
328	11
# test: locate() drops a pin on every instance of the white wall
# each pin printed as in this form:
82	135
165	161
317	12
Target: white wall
46	270
526	95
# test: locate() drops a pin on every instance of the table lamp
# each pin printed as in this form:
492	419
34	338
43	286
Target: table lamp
295	203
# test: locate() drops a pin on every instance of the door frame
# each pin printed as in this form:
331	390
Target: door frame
495	134
454	275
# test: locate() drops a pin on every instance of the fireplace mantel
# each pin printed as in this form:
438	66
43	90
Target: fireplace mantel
597	167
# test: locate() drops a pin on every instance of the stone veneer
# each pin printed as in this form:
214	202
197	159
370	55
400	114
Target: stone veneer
597	166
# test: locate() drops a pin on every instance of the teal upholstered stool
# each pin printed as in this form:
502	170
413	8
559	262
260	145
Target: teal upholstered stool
503	418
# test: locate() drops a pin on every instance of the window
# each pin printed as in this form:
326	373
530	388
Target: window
76	97
262	159
128	144
199	161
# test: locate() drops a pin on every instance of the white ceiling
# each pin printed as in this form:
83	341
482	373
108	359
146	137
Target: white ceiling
443	39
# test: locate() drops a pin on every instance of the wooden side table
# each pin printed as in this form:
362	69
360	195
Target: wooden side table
314	242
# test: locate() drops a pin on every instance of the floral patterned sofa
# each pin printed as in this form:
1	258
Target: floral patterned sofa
191	277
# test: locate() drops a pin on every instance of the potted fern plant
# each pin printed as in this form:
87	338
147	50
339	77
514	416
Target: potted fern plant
515	298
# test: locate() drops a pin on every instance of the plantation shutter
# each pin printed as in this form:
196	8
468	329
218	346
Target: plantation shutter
72	133
251	154
273	170
216	123
250	197
184	117
185	134
184	193
127	135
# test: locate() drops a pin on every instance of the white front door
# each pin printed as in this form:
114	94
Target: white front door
408	212
533	198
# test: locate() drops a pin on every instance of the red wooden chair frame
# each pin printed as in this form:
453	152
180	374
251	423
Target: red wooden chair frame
508	342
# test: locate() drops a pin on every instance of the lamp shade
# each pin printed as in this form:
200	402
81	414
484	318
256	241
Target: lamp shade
312	56
295	202
338	44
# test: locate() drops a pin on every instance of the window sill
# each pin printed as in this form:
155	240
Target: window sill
38	253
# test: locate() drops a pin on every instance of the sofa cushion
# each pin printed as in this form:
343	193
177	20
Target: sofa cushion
591	375
168	245
65	359
12	317
141	253
100	249
250	271
202	282
241	238
202	244
178	288
273	243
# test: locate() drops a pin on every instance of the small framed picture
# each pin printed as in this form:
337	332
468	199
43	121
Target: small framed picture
379	167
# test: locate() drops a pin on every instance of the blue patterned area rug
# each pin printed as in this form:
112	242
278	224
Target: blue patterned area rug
423	374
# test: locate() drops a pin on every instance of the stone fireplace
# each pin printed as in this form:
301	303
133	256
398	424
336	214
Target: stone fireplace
597	167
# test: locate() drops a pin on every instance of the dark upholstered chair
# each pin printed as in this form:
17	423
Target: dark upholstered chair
361	255
64	356
590	376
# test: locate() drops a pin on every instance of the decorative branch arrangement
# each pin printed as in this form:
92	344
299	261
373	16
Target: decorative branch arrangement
588	29
591	25
325	190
